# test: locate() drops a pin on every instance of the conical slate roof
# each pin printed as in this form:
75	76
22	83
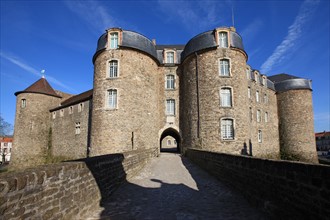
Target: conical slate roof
42	87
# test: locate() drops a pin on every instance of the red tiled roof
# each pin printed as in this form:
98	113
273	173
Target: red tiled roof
322	134
41	86
6	139
75	99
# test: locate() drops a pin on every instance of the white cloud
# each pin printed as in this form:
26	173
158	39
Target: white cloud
294	32
94	13
252	29
22	64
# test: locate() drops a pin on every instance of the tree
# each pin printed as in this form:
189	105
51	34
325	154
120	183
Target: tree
5	127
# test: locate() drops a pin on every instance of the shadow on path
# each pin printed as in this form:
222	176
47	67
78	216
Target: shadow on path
171	187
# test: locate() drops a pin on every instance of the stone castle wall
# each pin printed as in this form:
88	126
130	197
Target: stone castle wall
285	190
210	82
133	124
296	124
32	129
69	190
70	139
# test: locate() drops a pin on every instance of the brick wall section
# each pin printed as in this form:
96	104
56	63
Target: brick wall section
286	190
68	190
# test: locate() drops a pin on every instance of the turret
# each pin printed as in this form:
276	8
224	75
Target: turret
32	123
296	122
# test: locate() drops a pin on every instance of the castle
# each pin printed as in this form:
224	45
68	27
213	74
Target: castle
203	94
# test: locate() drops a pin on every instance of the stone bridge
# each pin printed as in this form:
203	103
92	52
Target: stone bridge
143	184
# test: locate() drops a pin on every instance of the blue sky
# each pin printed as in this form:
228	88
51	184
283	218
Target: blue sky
60	37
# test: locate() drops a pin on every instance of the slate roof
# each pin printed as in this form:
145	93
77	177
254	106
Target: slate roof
162	47
281	77
75	99
42	87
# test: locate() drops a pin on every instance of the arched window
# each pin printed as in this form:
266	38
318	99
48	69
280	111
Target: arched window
226	97
170	82
223	39
227	129
224	67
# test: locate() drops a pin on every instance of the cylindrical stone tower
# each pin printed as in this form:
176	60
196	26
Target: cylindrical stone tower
32	124
126	93
296	122
213	92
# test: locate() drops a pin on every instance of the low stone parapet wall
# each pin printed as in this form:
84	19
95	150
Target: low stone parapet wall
67	190
283	189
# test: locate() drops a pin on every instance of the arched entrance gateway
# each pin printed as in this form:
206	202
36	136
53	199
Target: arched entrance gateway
170	141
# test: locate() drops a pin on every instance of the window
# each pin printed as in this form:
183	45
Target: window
23	103
265	98
77	127
168	142
62	112
226	97
80	107
258	116
113	69
170	82
264	81
249	92
224	67
227	129
70	110
114	40
112	98
54	115
259	136
251	114
174	141
266	116
257	96
170	107
248	74
169	57
223	39
256	77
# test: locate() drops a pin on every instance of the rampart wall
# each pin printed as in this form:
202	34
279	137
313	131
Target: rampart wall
285	190
68	190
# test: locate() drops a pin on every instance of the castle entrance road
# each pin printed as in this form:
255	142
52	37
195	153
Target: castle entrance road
171	187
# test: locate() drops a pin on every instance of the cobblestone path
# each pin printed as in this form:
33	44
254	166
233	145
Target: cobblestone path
171	187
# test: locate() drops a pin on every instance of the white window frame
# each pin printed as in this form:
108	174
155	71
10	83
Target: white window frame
170	83
61	112
224	68
227	129
266	117
170	107
257	96
259	136
258	115
223	39
70	110
256	77
224	95
113	70
264	81
80	107
249	92
23	103
170	56
77	130
54	115
112	99
114	40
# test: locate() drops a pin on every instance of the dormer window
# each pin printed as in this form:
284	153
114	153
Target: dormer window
170	57
114	40
223	39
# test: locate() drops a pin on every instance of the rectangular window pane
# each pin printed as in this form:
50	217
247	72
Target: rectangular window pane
225	97
114	40
169	82
113	71
224	67
170	107
112	98
170	57
227	131
223	39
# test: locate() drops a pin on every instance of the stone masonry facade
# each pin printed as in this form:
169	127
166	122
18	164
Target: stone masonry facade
203	94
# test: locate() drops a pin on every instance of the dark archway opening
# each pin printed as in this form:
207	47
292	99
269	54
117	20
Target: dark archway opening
170	141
